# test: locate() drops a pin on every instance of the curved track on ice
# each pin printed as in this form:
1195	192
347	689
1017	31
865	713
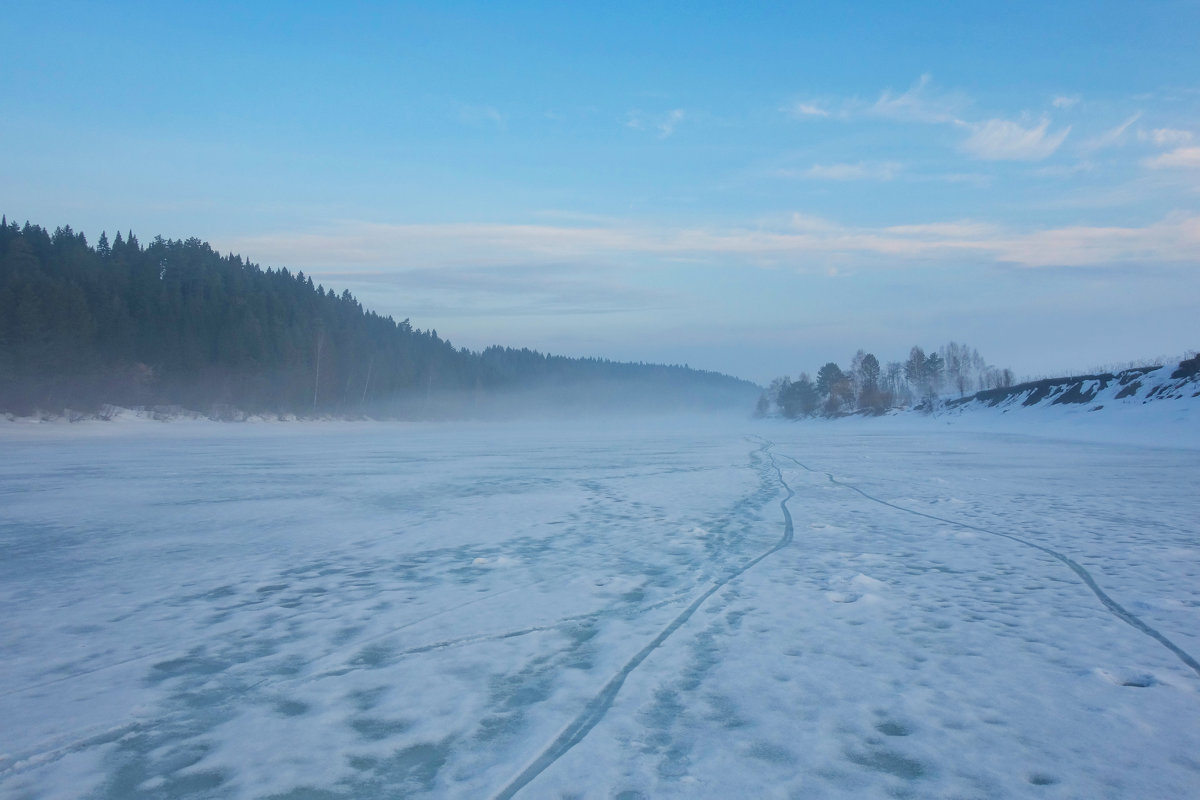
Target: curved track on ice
598	706
1119	611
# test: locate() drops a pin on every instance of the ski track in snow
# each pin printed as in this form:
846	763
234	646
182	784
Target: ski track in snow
599	705
1119	611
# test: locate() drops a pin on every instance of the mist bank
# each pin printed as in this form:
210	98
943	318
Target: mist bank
175	328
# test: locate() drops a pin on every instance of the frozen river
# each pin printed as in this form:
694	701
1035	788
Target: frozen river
361	610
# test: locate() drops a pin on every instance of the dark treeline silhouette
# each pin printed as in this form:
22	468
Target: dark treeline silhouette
867	386
176	323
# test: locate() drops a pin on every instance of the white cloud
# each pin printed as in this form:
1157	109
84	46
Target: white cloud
1179	157
976	178
577	216
861	171
480	115
920	103
811	223
508	290
992	139
945	230
1111	137
800	241
1171	240
664	124
1064	170
1001	139
1166	136
807	110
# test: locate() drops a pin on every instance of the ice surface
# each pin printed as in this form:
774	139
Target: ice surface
367	610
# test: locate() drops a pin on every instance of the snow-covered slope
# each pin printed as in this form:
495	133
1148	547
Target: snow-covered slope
1137	386
1154	406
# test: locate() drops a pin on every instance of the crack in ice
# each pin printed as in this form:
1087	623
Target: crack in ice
598	706
1117	610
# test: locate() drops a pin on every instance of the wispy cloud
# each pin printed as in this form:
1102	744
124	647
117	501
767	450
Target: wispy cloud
1179	157
1171	240
800	241
811	223
509	289
663	124
975	178
934	231
862	171
481	115
807	110
1001	139
577	216
1166	136
1111	137
666	126
923	102
920	103
1065	101
1064	170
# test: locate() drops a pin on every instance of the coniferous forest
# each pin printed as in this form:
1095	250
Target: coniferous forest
175	323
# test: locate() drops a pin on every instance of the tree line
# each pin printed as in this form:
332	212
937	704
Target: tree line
870	387
174	322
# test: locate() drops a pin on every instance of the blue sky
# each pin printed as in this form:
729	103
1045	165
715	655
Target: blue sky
755	191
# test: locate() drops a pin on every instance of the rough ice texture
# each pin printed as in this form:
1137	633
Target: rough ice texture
328	610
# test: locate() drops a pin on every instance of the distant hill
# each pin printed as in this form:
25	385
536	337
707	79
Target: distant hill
176	324
1137	386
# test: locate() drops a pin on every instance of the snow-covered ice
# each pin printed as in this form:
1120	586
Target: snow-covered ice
362	610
